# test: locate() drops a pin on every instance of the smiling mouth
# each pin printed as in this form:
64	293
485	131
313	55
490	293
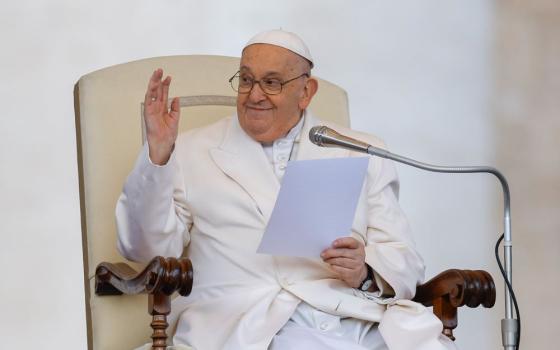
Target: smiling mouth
258	108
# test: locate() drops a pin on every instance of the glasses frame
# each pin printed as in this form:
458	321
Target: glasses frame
237	75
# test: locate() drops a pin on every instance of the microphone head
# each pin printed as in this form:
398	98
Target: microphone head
316	134
326	137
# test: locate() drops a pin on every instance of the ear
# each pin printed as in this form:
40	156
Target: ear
311	87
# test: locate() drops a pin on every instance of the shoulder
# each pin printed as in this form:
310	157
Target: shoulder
381	171
194	145
358	135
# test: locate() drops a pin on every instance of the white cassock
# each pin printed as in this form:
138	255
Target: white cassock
214	198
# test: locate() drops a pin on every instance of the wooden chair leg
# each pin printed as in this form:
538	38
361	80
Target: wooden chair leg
159	306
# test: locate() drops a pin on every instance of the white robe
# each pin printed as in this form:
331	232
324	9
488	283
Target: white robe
215	196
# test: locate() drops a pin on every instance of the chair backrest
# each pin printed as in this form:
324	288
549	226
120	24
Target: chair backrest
109	129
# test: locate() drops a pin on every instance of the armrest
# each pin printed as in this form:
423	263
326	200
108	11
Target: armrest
160	278
455	288
165	275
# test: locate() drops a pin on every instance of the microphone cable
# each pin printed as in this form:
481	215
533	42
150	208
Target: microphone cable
510	288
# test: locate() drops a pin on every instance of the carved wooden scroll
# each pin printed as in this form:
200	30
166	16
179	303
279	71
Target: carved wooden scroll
455	288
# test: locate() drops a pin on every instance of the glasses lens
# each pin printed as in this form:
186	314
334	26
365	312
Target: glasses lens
234	81
244	83
271	86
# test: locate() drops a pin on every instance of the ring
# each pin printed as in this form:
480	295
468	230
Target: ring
153	98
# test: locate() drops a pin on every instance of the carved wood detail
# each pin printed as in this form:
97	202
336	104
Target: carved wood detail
159	306
161	278
165	275
455	288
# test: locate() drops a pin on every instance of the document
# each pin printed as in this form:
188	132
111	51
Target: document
316	205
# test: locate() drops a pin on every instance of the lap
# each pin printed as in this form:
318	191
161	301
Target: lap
312	329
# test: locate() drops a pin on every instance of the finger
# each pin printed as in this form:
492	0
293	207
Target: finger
165	89
153	84
159	90
345	262
175	111
155	79
346	242
156	76
343	271
358	254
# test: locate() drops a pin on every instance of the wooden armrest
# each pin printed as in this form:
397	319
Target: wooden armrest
161	278
455	288
165	275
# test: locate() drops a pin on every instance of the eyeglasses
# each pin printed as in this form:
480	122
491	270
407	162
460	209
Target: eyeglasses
243	83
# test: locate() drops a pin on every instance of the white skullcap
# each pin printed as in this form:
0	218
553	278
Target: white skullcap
283	39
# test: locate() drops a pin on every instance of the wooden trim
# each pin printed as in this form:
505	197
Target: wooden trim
85	255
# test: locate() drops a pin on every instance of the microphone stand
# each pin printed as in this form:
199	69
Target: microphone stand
326	137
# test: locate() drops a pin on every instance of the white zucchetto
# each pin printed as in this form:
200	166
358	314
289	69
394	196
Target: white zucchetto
287	40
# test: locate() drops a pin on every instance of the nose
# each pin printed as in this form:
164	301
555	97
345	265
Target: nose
256	94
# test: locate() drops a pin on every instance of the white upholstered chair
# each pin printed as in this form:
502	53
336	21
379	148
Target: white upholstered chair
108	105
109	126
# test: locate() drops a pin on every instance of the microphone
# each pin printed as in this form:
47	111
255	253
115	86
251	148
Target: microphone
324	136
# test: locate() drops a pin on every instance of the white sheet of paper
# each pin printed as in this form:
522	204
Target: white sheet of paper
316	205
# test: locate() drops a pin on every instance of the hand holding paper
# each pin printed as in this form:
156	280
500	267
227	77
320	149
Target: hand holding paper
346	257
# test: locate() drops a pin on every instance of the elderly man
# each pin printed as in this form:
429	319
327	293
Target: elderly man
211	191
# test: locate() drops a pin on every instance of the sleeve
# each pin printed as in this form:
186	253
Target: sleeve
390	248
151	214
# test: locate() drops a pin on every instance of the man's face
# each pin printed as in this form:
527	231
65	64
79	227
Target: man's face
268	117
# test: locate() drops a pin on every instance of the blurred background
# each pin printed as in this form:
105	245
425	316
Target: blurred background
446	82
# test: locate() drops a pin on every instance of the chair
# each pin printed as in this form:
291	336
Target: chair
109	132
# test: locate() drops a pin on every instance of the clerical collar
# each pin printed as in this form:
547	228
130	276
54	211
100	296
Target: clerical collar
283	149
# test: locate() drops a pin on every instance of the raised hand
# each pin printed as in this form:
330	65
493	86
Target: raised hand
162	124
346	257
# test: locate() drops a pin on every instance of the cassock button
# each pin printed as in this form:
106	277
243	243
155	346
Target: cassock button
324	326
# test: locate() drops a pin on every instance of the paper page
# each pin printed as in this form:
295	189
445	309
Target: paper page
316	205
